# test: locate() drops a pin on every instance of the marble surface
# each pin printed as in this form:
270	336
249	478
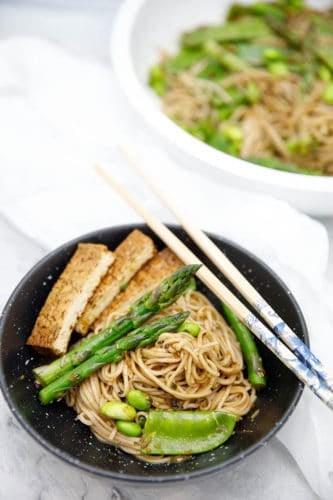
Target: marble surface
27	470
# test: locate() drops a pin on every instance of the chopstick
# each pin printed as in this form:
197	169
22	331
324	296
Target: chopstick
230	271
289	359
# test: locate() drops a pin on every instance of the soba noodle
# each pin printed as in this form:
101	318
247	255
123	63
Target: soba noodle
282	113
178	372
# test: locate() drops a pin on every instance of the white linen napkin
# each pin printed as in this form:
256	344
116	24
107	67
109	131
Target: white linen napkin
60	115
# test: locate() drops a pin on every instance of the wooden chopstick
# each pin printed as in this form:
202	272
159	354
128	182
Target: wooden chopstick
230	271
289	359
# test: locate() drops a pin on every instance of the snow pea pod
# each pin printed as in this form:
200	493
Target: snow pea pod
185	432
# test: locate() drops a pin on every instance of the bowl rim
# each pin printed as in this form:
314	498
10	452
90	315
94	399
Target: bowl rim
136	93
69	459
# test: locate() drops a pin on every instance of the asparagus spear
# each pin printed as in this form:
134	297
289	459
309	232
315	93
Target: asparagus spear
227	58
258	9
140	337
247	28
253	361
167	292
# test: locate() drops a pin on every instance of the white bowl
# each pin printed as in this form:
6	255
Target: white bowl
145	26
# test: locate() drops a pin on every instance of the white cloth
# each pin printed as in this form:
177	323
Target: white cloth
59	116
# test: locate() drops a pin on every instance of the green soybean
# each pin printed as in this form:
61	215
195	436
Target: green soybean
138	399
191	328
118	411
131	429
233	133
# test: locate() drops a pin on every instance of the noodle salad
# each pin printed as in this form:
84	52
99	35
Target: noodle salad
259	86
179	372
159	373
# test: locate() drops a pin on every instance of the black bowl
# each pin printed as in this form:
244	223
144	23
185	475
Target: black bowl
55	427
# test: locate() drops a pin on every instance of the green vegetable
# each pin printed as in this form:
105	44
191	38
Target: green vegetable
140	337
326	55
118	411
185	432
157	80
131	429
219	141
259	9
278	68
252	358
183	60
233	133
303	145
252	53
138	399
252	93
189	327
328	93
213	71
228	139
280	28
292	4
247	28
167	292
237	96
224	113
324	73
202	130
227	58
273	54
192	285
277	164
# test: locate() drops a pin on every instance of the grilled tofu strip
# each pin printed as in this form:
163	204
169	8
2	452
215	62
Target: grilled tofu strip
163	264
68	298
130	256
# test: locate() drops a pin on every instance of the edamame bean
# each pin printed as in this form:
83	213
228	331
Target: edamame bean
131	429
118	411
191	328
138	399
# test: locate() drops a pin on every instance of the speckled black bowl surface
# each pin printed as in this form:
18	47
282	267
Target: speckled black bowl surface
55	427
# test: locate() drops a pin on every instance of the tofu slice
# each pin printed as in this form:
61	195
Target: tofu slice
68	298
130	256
158	268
